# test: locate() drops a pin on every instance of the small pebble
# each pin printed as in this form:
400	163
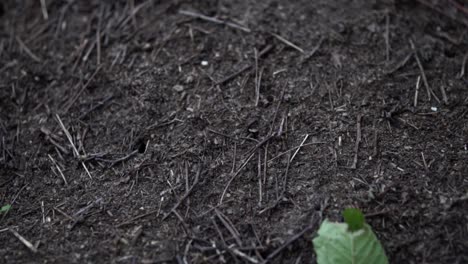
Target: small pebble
178	88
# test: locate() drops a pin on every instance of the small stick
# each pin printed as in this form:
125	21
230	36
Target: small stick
182	221
259	175
265	164
287	42
234	158
387	36
416	91
257	96
214	20
138	217
23	240
358	141
44	10
43	212
424	161
293	148
88	52
234	176
27	50
78	53
257	87
65	214
75	151
229	226
280	100
133	13
58	168
423	73
314	50
400	64
93	108
121	159
444	95
87	207
69	137
244	256
186	195
246	67
300	146
98	37
73	100
375	140
285	178
462	71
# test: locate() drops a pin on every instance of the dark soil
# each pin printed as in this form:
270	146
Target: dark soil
186	129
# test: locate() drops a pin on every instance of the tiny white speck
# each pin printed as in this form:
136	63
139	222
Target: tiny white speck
204	63
434	109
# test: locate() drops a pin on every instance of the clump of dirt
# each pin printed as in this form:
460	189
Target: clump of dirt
225	132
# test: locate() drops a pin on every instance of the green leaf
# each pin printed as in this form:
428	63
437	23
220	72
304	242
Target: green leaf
354	218
335	244
5	208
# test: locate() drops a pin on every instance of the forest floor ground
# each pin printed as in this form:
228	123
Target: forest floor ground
227	131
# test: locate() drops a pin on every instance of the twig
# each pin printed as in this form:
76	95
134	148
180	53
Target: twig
244	256
314	50
287	42
387	36
426	167
52	138
293	148
98	37
186	195
257	82
133	13
44	10
257	87
400	64
229	226
285	177
43	212
73	100
69	137
234	176
23	240
300	146
138	217
444	95
87	207
246	67
423	73
259	176
416	91
75	151
358	141
93	108
463	67
234	158
214	20
27	50
121	159
58	168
